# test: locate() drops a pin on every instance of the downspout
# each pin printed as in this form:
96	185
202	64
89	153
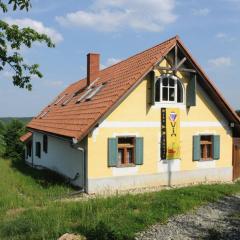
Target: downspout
82	150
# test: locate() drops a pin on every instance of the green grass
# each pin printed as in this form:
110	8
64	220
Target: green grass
27	209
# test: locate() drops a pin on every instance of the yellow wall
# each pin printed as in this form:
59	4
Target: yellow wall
136	108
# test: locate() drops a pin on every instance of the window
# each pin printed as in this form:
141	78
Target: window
206	147
29	149
126	149
45	143
168	89
38	149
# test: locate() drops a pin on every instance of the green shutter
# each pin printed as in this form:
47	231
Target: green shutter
139	151
216	147
191	91
152	81
196	148
112	152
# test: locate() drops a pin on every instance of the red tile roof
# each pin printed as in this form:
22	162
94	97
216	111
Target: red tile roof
25	137
76	120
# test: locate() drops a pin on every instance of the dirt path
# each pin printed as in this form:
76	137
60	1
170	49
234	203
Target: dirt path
220	220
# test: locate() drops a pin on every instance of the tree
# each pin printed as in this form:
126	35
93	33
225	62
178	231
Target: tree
12	38
14	147
2	127
2	143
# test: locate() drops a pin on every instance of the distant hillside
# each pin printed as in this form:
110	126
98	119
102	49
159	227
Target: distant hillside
25	120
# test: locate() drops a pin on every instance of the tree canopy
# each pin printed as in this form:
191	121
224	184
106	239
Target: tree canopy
12	38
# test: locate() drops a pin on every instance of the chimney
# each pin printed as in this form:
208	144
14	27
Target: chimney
93	65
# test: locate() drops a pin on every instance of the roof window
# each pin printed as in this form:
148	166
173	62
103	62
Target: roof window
84	95
59	99
43	114
94	92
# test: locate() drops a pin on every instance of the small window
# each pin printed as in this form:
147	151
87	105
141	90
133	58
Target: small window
126	150
168	89
38	149
45	143
206	147
29	149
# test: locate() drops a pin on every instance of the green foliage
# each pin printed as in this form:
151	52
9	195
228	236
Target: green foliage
24	120
12	38
14	147
2	143
27	209
238	112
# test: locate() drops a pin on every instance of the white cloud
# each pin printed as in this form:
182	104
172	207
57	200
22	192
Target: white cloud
114	15
54	84
38	26
225	37
220	62
201	11
110	62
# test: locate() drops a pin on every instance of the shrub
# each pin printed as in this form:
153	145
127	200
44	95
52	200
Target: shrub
14	147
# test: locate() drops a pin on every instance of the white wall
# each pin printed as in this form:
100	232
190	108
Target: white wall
61	157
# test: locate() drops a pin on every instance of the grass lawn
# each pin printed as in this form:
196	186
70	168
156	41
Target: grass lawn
27	209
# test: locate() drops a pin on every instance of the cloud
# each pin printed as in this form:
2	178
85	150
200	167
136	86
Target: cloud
201	11
220	62
110	62
114	15
38	26
225	37
54	84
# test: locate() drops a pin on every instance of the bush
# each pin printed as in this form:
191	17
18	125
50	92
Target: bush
14	147
2	142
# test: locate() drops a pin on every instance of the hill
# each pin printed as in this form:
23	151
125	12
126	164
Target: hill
25	120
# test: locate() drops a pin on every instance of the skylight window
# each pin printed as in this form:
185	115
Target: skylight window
67	100
43	114
59	99
84	95
94	92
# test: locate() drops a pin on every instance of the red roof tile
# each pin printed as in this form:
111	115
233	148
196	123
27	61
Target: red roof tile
25	137
75	120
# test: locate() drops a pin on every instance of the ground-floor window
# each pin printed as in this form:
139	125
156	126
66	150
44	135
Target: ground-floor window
206	147
38	149
29	149
126	149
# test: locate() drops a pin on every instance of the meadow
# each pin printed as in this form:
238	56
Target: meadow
31	206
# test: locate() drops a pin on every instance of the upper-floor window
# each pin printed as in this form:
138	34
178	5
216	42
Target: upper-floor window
168	89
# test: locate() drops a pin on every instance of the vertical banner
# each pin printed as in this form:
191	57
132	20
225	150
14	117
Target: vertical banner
170	133
163	134
173	133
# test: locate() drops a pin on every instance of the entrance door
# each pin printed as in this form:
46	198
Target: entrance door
236	158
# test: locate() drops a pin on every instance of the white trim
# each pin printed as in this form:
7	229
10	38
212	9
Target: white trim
160	105
206	164
156	124
126	134
118	124
202	124
124	171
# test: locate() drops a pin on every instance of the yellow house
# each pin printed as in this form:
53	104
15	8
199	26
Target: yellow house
153	119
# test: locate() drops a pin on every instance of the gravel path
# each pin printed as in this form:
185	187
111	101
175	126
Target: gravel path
220	220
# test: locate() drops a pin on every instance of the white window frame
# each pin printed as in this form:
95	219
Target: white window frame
175	88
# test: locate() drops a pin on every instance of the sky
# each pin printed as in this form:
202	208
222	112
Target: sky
118	29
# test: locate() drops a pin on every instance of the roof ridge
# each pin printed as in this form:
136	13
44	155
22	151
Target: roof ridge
176	37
